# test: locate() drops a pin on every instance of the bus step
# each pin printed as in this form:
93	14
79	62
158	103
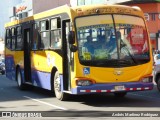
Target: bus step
69	92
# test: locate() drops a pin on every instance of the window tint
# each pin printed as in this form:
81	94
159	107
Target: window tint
44	40
35	37
8	32
44	25
8	38
19	31
8	42
56	42
13	31
19	42
13	42
45	35
55	23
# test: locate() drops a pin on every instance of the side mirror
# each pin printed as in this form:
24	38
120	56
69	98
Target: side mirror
73	48
71	37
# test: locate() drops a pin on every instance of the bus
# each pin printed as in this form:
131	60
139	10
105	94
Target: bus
79	50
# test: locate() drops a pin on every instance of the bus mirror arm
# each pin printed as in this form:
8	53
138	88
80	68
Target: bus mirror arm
73	48
71	37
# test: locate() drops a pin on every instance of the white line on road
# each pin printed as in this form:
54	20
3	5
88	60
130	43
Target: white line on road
45	103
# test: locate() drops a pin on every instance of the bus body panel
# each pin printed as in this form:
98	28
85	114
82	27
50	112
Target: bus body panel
46	60
128	74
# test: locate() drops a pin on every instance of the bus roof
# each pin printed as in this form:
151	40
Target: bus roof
82	10
61	9
102	8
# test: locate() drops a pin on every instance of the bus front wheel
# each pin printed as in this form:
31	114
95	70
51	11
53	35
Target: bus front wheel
20	83
57	88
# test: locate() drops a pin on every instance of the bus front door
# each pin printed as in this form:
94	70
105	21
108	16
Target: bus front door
66	56
27	60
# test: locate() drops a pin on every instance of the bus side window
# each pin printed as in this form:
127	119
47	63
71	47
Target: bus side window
19	41
8	38
56	41
13	43
44	34
35	37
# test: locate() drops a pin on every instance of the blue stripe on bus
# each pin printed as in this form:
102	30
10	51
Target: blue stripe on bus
41	79
110	87
10	67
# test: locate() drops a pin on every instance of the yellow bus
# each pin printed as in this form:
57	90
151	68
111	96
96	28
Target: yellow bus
81	50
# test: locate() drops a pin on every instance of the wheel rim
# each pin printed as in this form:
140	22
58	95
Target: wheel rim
57	86
19	79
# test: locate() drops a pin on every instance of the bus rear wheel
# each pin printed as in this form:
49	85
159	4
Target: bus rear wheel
57	88
20	83
120	94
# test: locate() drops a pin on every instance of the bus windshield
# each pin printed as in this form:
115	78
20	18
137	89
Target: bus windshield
112	40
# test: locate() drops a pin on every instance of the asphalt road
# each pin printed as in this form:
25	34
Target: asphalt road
13	99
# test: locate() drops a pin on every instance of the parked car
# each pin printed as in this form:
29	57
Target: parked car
2	67
156	73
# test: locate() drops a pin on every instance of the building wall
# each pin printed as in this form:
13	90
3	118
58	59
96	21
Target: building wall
24	7
43	5
88	2
152	14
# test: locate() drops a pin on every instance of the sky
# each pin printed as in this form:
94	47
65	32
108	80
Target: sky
4	14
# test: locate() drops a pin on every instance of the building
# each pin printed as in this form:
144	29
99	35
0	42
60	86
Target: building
42	5
29	7
151	9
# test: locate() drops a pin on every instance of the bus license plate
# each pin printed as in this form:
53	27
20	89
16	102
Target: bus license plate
119	88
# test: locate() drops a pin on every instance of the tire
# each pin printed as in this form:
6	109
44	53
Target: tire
57	88
158	83
20	83
120	94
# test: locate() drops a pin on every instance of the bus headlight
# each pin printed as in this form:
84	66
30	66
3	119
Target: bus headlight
84	82
147	79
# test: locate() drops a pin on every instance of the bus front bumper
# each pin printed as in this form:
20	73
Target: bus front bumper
111	88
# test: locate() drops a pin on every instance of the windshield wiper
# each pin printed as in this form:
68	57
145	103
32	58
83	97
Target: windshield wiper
130	55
